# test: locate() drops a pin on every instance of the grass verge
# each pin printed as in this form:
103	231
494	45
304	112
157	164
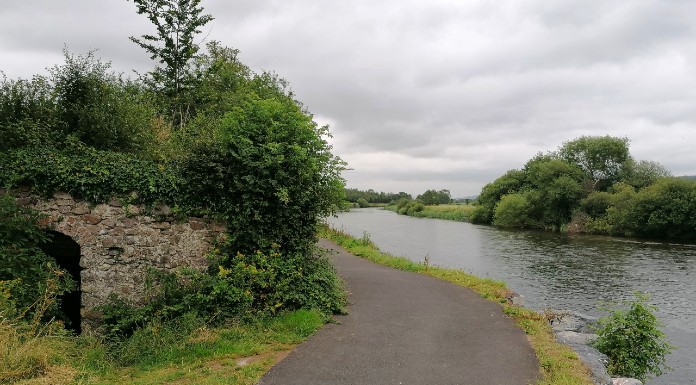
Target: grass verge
559	365
452	212
161	354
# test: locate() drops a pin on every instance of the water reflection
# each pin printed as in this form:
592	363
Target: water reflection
554	271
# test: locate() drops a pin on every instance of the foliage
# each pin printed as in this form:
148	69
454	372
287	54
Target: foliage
513	210
511	182
177	23
601	157
632	340
89	174
643	173
409	207
591	185
665	209
81	100
453	212
432	197
370	196
204	135
249	286
24	264
269	165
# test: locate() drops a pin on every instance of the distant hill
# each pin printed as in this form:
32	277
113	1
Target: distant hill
690	177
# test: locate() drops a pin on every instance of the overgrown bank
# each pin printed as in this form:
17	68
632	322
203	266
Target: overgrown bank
201	133
558	363
589	185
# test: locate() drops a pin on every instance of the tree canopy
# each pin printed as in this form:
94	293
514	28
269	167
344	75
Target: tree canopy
591	184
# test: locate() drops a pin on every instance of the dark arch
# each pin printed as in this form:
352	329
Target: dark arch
66	252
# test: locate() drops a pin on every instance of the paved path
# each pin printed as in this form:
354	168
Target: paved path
407	328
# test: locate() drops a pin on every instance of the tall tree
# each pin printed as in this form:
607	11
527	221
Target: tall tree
177	23
601	157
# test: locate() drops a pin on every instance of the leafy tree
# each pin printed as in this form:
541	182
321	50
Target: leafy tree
601	157
432	197
177	23
643	173
269	172
556	188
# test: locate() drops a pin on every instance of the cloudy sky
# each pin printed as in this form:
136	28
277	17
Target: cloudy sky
426	94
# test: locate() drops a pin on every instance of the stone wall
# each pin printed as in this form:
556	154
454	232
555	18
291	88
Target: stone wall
120	244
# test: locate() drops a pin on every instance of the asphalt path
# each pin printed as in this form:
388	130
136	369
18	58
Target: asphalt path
408	328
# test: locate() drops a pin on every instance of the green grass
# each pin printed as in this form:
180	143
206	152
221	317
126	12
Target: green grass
452	212
171	354
559	365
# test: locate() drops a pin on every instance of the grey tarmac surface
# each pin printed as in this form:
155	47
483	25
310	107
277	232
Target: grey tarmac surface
407	328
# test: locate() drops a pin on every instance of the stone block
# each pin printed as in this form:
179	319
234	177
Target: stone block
62	196
196	225
625	381
91	219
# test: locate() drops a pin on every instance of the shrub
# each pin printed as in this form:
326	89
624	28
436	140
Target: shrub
512	211
632	340
241	286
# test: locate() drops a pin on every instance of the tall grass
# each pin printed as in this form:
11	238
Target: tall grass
183	350
559	365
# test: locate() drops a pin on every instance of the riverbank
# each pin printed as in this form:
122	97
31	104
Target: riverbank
558	363
452	212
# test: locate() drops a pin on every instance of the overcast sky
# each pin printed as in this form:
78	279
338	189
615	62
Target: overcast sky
426	94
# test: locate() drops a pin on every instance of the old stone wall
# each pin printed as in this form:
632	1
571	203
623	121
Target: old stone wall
120	244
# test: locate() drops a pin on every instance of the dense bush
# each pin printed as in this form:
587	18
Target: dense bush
251	285
81	99
89	174
591	185
632	340
513	210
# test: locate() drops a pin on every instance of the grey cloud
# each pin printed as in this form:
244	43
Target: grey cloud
477	87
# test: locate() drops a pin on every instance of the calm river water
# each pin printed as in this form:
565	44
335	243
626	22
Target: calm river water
554	271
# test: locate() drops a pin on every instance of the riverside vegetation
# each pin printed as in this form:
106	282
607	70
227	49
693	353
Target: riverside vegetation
588	185
205	135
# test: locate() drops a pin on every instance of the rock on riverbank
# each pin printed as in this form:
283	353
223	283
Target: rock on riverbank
577	331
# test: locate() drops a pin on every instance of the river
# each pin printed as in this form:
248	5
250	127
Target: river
554	271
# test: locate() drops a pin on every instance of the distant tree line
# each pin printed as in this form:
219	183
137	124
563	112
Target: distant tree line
593	185
371	197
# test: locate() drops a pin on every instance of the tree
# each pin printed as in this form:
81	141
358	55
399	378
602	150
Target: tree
432	197
511	182
177	22
643	173
601	157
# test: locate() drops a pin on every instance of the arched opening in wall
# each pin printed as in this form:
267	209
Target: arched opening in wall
66	252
